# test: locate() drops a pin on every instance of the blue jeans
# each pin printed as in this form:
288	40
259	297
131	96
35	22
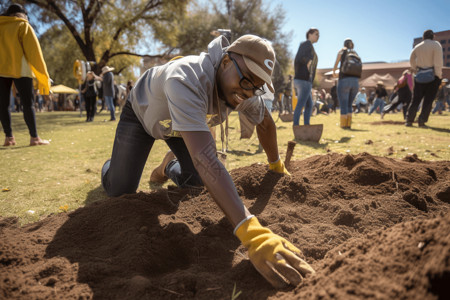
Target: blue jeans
347	89
110	103
377	103
132	144
439	106
304	99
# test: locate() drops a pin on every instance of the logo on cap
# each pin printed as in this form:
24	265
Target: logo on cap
267	62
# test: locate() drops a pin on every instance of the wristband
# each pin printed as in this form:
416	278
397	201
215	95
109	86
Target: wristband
242	222
275	161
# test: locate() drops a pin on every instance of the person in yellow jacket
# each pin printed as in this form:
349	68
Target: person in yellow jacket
20	56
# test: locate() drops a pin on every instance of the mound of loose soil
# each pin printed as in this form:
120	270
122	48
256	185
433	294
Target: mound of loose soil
372	227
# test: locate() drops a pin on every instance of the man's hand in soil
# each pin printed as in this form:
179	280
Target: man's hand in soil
274	257
278	166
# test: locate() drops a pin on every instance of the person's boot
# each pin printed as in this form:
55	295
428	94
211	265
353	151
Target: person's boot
343	121
158	175
37	141
349	121
9	141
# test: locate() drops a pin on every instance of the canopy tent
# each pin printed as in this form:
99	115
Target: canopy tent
388	80
329	73
62	89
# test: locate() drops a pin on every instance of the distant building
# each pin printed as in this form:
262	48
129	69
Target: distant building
442	37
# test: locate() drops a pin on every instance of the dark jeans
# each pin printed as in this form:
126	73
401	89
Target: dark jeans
24	86
91	106
428	92
404	98
132	145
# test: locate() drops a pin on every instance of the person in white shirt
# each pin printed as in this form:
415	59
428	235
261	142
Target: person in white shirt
426	61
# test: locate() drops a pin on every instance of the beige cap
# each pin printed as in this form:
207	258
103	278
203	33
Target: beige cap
258	54
380	82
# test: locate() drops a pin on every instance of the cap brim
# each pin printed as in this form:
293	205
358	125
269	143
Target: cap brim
257	71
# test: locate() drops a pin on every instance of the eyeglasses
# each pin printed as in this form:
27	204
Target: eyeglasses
245	83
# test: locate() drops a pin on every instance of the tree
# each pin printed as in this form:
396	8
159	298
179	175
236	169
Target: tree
248	17
104	30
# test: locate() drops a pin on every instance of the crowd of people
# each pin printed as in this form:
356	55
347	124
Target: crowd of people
417	87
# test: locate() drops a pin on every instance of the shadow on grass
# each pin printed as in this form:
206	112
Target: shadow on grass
96	194
438	129
312	144
387	122
13	148
355	130
344	139
47	120
243	153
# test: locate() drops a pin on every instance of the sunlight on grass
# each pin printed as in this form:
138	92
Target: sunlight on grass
37	181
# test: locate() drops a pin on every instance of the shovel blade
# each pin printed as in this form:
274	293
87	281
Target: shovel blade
311	133
287	117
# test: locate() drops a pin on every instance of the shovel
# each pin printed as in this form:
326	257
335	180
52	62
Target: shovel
308	132
289	117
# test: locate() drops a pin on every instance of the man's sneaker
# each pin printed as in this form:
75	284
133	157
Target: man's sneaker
422	125
408	124
158	175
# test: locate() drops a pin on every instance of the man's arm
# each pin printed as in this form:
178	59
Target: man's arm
267	135
271	254
215	177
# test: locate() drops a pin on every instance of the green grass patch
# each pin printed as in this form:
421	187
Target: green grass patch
37	181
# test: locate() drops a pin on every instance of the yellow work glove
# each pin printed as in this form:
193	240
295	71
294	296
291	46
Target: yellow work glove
278	166
272	255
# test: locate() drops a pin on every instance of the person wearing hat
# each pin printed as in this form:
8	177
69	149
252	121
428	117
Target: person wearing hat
442	95
380	95
178	102
108	90
360	99
348	85
20	58
426	58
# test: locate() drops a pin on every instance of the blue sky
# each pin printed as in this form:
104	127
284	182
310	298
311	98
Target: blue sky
381	30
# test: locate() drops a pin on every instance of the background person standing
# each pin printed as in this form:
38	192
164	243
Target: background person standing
108	90
348	85
425	58
305	70
20	56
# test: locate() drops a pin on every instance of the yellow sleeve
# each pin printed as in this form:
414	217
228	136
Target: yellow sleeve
33	54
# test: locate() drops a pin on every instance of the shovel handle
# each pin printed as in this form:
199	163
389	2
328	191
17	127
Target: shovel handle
289	152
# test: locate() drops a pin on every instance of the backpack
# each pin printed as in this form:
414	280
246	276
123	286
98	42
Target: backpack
351	64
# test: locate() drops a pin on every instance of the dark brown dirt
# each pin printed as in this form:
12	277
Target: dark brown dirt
372	227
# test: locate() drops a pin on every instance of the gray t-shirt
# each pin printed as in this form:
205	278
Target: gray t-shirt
179	96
